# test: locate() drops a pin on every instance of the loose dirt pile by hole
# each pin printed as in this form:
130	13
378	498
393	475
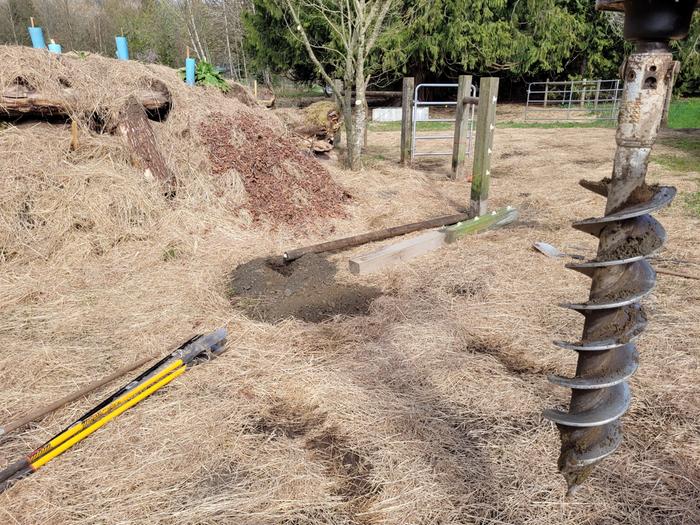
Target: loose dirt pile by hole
271	291
283	184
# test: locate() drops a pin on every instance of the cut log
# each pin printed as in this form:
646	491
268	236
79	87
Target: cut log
134	126
18	100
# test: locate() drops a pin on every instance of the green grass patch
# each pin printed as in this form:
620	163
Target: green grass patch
692	201
560	124
420	126
687	157
684	113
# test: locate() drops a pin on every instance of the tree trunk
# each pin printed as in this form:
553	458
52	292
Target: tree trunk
228	39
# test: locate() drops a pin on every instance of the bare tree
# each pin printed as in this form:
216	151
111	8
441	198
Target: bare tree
356	24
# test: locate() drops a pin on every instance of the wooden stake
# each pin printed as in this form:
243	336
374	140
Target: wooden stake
459	148
31	20
407	120
188	51
255	89
485	126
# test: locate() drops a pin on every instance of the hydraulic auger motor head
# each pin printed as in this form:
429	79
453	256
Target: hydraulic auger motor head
621	274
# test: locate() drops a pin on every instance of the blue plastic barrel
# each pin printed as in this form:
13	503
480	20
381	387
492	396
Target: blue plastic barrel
122	48
189	70
55	48
37	36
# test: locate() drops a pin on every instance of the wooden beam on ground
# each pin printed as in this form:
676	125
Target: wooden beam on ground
459	148
485	126
134	126
394	253
429	241
407	120
494	219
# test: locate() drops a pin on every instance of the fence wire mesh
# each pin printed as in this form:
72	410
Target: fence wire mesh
573	100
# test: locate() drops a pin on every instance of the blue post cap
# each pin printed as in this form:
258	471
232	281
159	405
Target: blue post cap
190	64
122	48
37	36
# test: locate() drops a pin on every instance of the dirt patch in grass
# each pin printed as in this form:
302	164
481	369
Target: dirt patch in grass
270	290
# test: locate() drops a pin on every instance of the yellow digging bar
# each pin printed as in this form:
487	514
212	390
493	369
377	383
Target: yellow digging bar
43	460
78	427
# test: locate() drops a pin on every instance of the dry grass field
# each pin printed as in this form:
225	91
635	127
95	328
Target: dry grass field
425	411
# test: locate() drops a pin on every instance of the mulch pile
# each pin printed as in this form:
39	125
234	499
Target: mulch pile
284	184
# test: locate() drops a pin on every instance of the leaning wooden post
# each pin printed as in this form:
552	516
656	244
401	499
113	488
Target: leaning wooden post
338	90
459	148
407	120
485	125
669	93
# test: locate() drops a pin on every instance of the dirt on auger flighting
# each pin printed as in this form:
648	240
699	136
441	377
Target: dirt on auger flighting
271	290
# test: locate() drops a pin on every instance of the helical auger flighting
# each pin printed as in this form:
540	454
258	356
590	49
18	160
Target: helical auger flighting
621	274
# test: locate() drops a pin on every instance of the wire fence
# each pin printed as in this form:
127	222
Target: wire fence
573	100
440	104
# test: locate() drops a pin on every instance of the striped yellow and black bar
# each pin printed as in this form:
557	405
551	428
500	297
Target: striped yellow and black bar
96	425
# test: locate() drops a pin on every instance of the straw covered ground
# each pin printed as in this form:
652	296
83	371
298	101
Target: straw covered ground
424	411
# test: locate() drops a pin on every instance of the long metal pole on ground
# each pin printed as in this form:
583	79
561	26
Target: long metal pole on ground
459	148
407	120
485	126
378	235
41	412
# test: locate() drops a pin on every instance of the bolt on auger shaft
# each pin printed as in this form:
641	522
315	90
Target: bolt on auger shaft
621	274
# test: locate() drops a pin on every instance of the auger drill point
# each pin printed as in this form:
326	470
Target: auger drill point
621	274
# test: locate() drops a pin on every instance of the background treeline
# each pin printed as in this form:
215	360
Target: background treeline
519	40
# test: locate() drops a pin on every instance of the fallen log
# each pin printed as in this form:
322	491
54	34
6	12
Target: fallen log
134	126
379	235
18	100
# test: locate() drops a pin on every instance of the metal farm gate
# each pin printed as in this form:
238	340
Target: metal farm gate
418	103
573	100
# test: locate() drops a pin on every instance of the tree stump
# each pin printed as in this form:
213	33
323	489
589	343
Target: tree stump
134	126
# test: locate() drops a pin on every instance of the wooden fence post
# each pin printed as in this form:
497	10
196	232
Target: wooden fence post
669	92
459	148
485	125
338	89
546	92
407	120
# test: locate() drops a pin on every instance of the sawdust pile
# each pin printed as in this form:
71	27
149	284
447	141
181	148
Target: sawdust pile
283	183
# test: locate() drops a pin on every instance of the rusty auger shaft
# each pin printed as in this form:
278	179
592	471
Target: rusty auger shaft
621	275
